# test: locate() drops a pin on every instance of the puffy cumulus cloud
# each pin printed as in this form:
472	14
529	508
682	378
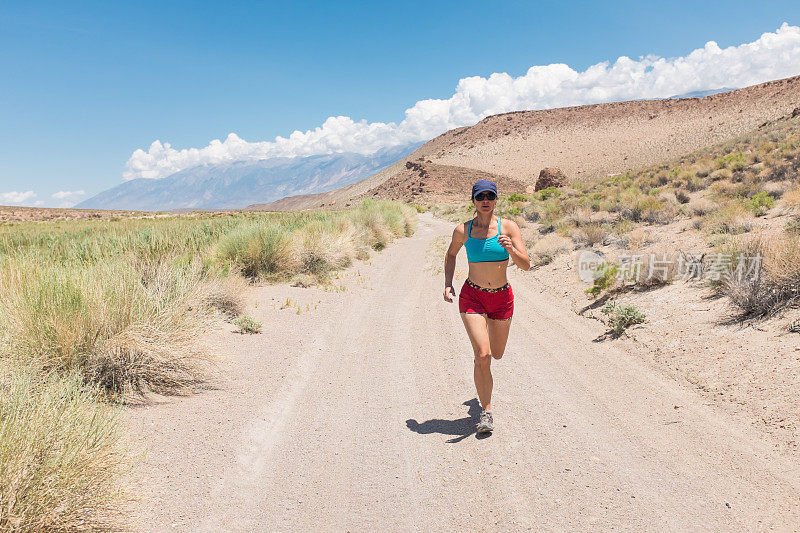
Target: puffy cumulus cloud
68	198
15	197
772	56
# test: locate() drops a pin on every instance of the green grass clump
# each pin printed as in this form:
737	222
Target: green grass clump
734	161
260	248
124	325
516	197
547	193
605	279
622	316
247	325
60	456
760	203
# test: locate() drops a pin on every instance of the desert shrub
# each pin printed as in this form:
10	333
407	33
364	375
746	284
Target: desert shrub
622	316
694	184
622	227
589	234
605	279
731	218
773	287
516	197
530	213
60	456
734	161
701	207
548	247
580	216
720	174
247	324
547	193
681	196
791	199
760	203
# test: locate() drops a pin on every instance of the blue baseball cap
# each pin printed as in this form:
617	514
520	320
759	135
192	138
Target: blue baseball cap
483	185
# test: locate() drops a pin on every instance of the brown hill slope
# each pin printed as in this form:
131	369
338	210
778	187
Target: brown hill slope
586	142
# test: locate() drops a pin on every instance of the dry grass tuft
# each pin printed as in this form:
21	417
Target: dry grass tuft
732	218
776	286
548	247
791	200
60	458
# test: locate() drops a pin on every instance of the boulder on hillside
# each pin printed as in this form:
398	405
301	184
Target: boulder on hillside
550	177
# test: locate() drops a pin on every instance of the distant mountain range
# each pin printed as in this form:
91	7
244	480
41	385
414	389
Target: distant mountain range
238	184
702	94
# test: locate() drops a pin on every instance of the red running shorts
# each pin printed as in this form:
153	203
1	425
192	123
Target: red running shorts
497	304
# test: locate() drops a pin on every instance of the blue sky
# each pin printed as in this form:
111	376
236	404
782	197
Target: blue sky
85	84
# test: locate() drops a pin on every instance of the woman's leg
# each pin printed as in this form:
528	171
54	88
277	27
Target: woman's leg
482	373
498	336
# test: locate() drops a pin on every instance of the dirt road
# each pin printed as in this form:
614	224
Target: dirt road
358	414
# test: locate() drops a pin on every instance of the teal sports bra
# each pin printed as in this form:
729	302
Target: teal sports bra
482	250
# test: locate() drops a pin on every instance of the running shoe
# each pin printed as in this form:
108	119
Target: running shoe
486	424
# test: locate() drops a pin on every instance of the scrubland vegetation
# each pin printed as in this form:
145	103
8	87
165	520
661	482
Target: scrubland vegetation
725	193
97	313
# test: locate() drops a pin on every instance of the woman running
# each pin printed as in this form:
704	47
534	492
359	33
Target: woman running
486	302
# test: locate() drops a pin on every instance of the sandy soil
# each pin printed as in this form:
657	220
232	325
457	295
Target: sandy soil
750	366
358	413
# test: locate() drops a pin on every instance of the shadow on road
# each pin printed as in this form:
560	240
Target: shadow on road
462	427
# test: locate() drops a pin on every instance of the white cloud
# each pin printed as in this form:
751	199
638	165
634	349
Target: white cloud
15	197
772	56
68	198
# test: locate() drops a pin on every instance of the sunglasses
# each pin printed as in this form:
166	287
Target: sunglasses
486	196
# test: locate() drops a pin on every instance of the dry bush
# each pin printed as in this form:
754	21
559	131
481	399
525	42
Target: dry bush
701	207
124	325
226	294
776	286
530	213
681	196
580	216
60	457
548	247
721	174
589	235
732	218
655	268
791	200
322	247
777	189
638	237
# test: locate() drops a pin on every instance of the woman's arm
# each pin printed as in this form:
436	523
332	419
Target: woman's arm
512	242
450	261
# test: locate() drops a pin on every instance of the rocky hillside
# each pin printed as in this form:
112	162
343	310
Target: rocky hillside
587	142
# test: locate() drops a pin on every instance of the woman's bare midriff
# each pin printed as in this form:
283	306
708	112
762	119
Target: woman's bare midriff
489	274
